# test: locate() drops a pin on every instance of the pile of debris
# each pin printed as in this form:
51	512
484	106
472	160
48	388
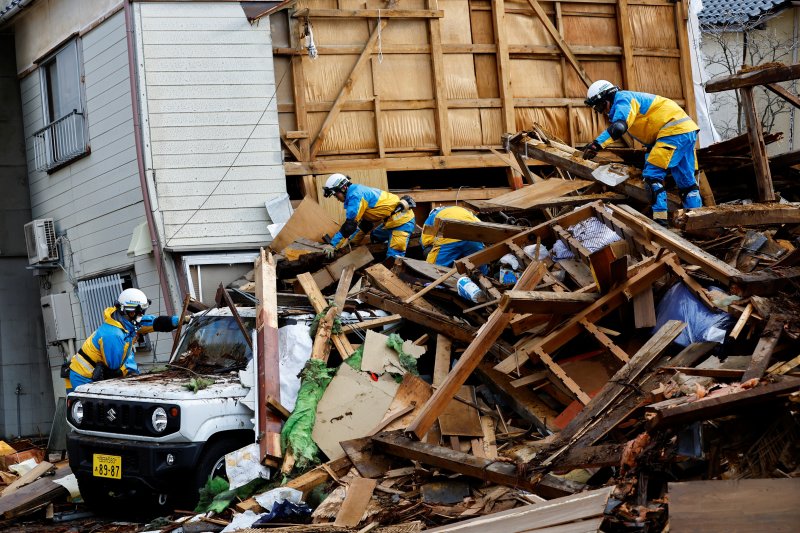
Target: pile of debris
592	371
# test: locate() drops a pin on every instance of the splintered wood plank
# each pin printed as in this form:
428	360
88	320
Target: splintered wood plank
387	281
578	513
530	195
722	506
359	492
441	365
466	230
308	221
444	277
766	190
330	273
644	309
739	215
484	339
319	303
766	345
557	303
34	495
267	362
489	441
305	483
578	271
27	478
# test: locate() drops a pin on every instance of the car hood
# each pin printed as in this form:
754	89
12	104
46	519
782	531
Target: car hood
165	386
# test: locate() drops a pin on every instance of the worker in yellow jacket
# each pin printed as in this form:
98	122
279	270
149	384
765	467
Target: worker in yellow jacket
109	351
370	211
663	127
441	251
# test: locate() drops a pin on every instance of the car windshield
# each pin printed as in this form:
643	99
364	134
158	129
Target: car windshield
213	343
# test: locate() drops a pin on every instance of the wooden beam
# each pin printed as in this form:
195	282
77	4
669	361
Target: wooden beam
766	345
626	40
751	78
297	64
437	162
319	303
604	339
541	302
449	195
344	287
305	483
764	282
439	86
719	270
508	120
472	356
327	124
766	191
387	281
372	323
269	425
371	13
685	62
562	44
783	93
432	285
712	407
723	216
465	230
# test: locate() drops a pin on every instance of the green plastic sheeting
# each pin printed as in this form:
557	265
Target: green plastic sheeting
217	496
395	342
296	433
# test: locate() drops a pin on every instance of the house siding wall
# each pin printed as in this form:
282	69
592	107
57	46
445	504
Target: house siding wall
96	201
211	122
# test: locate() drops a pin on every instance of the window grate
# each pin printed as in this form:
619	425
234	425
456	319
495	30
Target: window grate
95	296
59	142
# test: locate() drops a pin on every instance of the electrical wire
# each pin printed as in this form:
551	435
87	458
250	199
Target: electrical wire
219	182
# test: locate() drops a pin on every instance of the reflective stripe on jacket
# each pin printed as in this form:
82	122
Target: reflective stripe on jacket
649	117
374	205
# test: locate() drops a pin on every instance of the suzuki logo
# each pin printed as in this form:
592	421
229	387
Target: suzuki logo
111	415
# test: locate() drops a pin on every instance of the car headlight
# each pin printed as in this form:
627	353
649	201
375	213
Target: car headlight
77	412
159	419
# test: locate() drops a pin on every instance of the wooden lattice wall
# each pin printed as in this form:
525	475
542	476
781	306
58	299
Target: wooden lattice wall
426	84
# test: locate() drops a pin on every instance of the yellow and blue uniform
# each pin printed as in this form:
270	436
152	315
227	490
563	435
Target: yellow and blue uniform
365	207
111	345
441	251
670	136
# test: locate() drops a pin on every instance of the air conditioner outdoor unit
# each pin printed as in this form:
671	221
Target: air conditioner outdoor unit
40	237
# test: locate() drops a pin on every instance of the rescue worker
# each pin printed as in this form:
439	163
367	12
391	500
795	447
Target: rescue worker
663	127
441	251
108	352
381	214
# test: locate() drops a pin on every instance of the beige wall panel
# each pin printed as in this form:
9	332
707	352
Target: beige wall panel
279	28
333	207
552	119
465	127
596	70
591	31
586	124
325	77
345	31
491	126
667	81
526	29
481	27
352	130
459	76
404	77
409	129
456	22
486	75
285	91
399	31
536	78
287	121
653	26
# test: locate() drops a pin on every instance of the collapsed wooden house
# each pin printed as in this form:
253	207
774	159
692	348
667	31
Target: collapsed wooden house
402	87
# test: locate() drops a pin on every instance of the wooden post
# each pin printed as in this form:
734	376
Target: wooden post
439	87
269	425
470	359
766	192
685	58
626	41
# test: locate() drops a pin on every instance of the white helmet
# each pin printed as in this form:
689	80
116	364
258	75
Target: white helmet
133	300
335	183
599	92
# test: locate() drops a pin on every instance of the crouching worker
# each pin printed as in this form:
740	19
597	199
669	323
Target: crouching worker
108	352
663	127
369	211
441	251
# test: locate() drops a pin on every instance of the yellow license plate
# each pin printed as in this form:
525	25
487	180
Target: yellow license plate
109	466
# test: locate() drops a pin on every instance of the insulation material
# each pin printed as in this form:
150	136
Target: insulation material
459	76
455	26
325	78
595	70
404	32
586	125
526	29
491	126
333	207
591	31
653	26
409	129
554	117
351	131
465	127
404	77
666	83
536	78
341	31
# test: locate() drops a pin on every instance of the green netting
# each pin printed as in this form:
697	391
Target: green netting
395	342
296	433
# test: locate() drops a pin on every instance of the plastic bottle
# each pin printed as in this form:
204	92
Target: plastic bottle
468	290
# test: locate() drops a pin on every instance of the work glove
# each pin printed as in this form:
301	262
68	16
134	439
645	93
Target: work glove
590	152
329	251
